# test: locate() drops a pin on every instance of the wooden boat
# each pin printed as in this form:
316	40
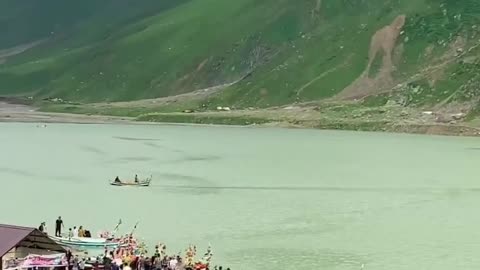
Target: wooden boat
141	183
84	242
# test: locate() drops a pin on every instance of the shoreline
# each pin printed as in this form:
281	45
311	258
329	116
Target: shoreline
19	111
22	113
271	119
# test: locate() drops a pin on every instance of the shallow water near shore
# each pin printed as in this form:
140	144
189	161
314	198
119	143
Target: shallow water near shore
264	198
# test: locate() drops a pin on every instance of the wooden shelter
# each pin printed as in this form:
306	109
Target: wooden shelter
18	242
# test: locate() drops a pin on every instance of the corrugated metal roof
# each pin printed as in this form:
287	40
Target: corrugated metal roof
12	236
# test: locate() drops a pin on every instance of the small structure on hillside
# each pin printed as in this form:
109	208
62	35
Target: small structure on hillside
19	242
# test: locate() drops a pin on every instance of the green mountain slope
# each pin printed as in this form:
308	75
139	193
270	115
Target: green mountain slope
23	21
274	52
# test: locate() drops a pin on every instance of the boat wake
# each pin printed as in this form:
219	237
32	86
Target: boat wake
326	189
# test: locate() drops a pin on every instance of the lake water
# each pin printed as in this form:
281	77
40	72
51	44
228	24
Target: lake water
264	198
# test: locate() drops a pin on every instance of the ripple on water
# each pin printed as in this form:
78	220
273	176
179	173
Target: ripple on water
92	149
282	258
17	172
185	184
158	146
135	138
131	159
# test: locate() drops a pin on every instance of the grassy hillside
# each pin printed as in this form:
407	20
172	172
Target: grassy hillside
276	51
24	21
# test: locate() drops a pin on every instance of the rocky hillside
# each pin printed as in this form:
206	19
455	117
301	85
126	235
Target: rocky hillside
246	53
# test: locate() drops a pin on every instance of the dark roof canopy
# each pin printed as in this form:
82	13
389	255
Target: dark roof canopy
16	236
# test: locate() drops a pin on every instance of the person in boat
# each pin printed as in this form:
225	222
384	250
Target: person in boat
136	179
42	227
81	232
117	180
58	227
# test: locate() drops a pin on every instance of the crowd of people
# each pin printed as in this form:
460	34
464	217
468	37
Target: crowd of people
136	257
131	254
80	232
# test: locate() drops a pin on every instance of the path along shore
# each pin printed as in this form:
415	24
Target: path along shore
11	112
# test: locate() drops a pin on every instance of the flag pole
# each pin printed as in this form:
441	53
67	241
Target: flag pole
134	228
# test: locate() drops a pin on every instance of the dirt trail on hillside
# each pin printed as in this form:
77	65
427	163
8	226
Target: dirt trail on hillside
319	77
383	41
156	102
5	53
316	10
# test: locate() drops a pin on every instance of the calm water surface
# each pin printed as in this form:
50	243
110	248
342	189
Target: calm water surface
264	198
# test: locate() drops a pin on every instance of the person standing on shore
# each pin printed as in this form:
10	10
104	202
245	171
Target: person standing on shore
75	263
81	264
58	227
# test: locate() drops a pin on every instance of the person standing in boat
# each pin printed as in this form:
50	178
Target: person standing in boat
136	178
58	227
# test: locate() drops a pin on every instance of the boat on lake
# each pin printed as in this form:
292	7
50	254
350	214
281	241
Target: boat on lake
138	183
84	241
